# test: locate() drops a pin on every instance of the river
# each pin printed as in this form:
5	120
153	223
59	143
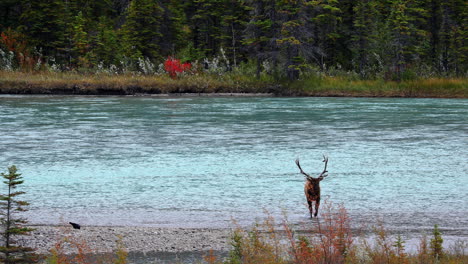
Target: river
206	161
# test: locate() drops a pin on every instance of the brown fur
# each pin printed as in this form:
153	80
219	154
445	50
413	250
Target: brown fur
312	193
312	187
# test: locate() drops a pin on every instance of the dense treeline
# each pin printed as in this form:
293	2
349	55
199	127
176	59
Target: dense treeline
393	39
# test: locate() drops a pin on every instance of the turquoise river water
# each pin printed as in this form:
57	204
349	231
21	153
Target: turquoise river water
206	161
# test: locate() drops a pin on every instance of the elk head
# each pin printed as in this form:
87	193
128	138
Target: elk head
312	187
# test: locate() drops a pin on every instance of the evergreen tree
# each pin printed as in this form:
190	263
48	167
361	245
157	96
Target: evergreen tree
10	10
105	44
290	40
364	36
326	17
233	26
262	31
436	243
79	38
172	27
453	36
12	225
399	26
45	24
206	26
141	33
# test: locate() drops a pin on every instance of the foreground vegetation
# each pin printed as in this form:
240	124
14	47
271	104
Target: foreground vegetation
327	239
17	82
330	240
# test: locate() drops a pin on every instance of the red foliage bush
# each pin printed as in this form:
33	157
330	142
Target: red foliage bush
173	67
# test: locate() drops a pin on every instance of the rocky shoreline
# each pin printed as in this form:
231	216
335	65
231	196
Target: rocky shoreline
102	239
143	243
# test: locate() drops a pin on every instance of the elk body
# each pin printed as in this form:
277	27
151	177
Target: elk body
312	187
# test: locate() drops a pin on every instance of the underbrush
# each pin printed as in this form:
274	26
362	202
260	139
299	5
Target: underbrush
329	240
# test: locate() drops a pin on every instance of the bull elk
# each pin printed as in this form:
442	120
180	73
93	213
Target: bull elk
312	187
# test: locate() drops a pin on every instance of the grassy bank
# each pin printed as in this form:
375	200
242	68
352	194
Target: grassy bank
341	86
128	84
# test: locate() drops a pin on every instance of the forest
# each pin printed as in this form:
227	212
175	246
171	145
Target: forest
283	39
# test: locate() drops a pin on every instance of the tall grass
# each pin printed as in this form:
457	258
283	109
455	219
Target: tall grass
74	83
329	240
344	86
44	82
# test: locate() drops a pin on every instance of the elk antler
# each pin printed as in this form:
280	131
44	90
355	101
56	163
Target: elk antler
299	165
324	172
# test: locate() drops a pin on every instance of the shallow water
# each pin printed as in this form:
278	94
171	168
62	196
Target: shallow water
202	162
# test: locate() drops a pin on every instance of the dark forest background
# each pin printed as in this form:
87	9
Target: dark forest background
284	38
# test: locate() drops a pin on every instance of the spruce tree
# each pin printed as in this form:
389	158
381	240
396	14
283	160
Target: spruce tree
45	23
233	25
261	32
437	250
105	44
141	33
12	224
326	17
364	36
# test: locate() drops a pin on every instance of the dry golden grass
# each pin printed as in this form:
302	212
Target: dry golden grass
329	240
73	83
128	84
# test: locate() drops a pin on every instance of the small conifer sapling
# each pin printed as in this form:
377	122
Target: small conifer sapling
11	224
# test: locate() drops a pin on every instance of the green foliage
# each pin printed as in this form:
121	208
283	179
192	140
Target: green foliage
436	243
106	46
389	39
235	254
141	33
12	224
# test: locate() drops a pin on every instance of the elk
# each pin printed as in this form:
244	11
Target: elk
312	187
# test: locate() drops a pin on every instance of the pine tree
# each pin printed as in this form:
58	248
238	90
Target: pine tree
141	33
105	44
326	17
11	223
233	26
45	23
262	31
399	26
436	243
364	36
80	42
290	38
453	36
172	27
10	10
206	29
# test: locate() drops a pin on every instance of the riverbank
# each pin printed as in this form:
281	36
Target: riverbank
175	245
227	84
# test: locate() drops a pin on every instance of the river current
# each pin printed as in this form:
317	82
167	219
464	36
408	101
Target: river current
209	161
